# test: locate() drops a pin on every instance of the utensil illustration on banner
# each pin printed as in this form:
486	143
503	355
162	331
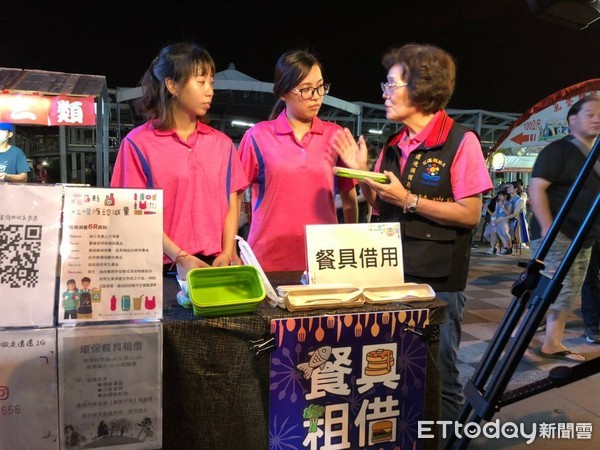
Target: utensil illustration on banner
358	328
339	328
375	327
385	318
393	326
366	321
411	322
401	316
330	322
281	329
404	389
418	383
348	320
290	324
301	332
320	333
310	324
273	328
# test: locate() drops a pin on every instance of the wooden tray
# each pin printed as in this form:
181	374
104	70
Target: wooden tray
317	297
409	292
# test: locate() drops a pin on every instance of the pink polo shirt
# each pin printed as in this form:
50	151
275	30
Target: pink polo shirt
292	186
196	176
468	172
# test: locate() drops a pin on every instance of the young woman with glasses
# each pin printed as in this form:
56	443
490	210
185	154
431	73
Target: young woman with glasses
289	165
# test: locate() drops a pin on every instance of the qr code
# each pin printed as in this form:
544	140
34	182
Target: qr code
20	249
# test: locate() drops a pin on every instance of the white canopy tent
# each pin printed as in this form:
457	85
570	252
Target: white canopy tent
544	122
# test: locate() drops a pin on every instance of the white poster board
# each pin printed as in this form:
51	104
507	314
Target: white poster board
365	254
110	380
28	390
111	255
29	235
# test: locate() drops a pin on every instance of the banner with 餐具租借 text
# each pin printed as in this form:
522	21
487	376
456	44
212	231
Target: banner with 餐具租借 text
348	380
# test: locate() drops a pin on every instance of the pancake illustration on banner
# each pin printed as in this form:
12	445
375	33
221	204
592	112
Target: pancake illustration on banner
379	362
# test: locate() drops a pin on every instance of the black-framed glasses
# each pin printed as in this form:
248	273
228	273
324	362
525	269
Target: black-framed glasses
392	85
309	92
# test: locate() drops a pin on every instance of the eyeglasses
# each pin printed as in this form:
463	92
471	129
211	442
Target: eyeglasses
392	85
309	92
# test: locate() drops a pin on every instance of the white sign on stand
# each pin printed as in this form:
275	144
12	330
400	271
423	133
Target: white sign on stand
111	255
366	254
28	390
29	235
110	380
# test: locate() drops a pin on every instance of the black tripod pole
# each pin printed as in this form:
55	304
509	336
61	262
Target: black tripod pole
533	292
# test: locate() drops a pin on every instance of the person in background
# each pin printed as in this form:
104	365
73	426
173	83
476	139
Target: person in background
41	175
289	164
590	297
554	172
516	219
196	166
498	228
13	164
437	175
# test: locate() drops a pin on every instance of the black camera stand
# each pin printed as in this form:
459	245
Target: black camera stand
533	293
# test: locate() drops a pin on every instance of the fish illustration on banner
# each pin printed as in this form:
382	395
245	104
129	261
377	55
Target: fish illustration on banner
318	359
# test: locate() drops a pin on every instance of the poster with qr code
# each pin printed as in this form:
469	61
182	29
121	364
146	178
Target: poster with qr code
28	389
29	237
111	255
110	386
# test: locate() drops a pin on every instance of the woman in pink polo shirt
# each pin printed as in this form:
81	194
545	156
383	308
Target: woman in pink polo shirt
289	164
196	166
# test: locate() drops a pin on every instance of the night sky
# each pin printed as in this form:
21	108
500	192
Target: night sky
507	58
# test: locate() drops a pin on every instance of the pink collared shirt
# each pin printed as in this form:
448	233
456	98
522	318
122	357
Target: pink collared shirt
292	186
196	175
469	173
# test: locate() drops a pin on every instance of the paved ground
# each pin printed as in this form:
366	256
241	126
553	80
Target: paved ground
488	297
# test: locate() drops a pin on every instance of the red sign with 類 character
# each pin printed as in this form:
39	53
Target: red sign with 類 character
51	110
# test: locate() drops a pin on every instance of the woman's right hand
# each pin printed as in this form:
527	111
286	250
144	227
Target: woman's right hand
189	262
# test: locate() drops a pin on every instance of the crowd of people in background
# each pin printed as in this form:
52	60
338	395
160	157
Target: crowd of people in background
505	219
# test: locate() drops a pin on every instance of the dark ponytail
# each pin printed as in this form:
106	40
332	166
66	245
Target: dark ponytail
179	62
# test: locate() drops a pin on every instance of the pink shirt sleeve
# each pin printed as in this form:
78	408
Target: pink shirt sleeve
239	181
248	157
128	170
469	172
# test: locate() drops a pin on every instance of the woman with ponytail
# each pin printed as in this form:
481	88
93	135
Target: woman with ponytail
196	166
289	164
